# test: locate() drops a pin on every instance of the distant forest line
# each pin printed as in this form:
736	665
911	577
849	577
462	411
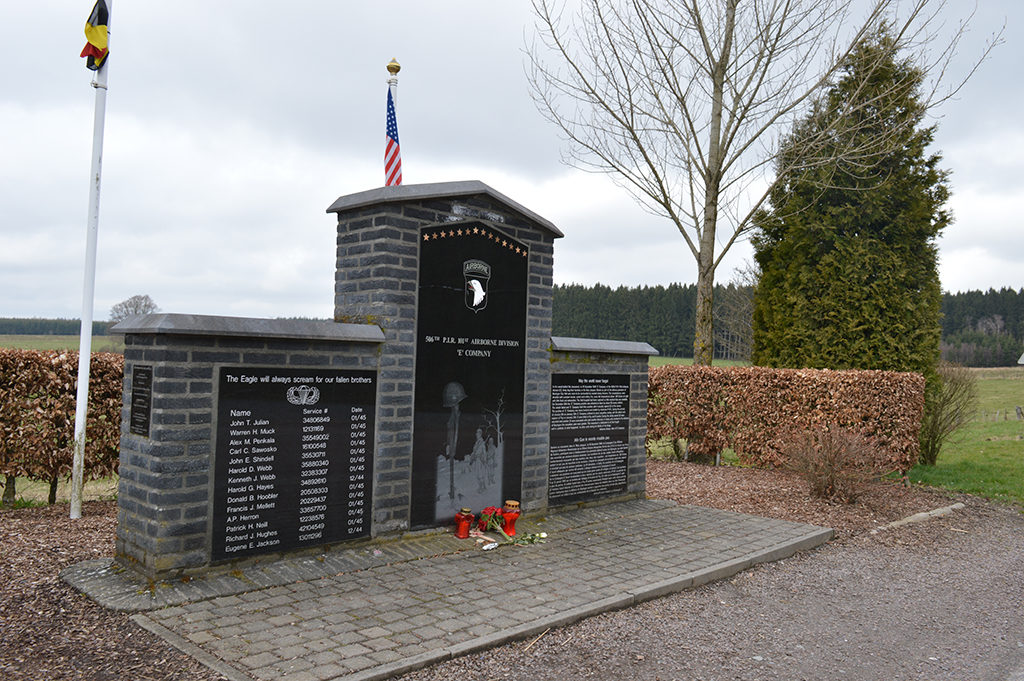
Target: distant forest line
979	328
37	326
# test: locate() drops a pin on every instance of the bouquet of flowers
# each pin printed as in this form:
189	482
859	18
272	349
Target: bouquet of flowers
492	518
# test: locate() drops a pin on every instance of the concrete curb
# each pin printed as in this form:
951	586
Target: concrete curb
921	517
184	645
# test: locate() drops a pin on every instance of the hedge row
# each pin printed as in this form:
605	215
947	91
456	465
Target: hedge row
752	410
37	414
756	410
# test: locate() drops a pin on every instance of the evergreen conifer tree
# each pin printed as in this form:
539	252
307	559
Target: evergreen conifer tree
847	250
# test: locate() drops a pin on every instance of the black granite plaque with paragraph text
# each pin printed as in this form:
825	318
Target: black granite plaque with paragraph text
589	444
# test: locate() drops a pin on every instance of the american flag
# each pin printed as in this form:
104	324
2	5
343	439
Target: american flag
393	151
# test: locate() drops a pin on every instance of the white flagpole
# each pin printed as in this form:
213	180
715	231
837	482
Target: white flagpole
99	82
392	155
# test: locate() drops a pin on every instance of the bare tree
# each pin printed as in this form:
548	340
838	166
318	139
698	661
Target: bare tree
992	325
734	314
952	404
139	304
685	103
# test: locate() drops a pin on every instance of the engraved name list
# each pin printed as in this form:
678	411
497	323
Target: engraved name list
294	459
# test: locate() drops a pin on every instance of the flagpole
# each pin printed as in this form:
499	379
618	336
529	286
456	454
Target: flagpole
392	149
99	83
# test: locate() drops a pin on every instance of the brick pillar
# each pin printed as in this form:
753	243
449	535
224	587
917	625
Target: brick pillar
376	282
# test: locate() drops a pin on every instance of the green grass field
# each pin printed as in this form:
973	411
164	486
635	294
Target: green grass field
99	343
662	361
986	458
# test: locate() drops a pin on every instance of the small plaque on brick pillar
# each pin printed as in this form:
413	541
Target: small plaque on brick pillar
141	400
589	444
294	458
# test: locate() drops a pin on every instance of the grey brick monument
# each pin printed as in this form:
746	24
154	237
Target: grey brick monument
438	385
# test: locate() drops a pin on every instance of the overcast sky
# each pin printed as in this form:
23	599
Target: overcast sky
232	125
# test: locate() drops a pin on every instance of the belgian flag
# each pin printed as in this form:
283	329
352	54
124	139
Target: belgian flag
96	34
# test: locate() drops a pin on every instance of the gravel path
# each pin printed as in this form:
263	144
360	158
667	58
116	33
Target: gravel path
942	599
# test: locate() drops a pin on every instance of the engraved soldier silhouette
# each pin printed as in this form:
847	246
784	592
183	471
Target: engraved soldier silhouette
452	395
477	460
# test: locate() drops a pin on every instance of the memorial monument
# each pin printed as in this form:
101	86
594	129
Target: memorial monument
437	386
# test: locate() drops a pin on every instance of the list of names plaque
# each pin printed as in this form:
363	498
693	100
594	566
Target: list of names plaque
294	458
589	444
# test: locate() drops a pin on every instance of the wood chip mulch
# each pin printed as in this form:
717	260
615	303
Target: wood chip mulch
48	631
782	494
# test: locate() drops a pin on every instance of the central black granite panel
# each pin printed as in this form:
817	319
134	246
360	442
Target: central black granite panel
470	369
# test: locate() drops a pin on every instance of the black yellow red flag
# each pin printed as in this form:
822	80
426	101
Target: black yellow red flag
95	49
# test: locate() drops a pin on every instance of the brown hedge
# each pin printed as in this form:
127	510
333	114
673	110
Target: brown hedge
37	413
753	410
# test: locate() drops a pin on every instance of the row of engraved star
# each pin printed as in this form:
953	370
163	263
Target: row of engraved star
452	233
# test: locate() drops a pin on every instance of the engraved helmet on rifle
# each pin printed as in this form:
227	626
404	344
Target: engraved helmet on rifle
453	394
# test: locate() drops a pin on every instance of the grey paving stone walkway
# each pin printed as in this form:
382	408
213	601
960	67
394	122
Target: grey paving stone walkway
381	610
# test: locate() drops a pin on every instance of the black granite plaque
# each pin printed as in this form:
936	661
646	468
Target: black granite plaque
470	370
294	458
142	400
589	443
